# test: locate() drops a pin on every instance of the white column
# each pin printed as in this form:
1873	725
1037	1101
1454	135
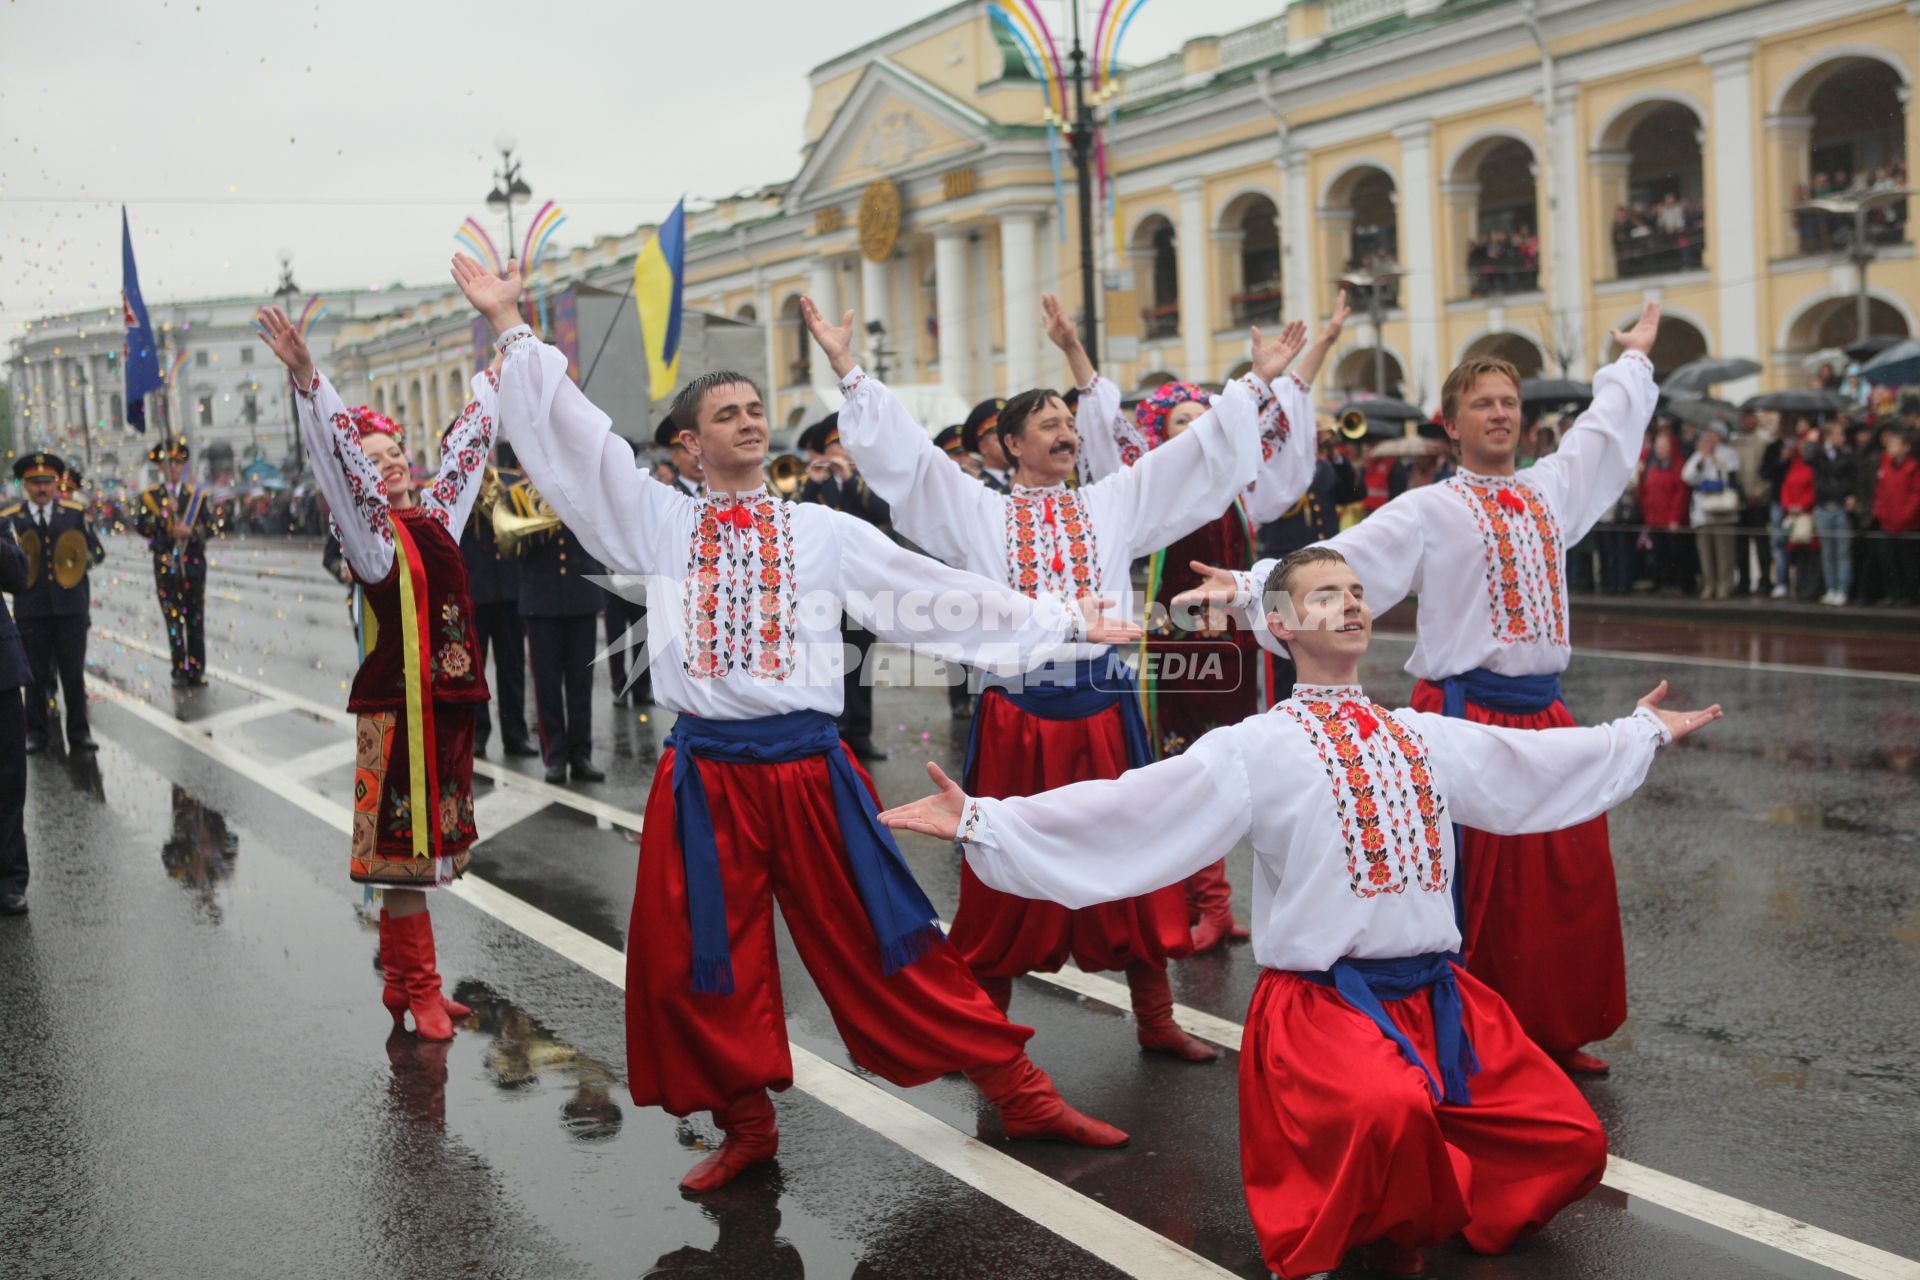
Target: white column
1733	244
950	288
1566	270
1421	287
1196	311
1296	237
821	288
1020	286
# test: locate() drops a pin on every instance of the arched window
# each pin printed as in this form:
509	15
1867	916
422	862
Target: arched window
1251	228
1856	142
1503	249
1516	349
1659	223
747	314
797	342
1157	278
1358	372
1363	227
1680	341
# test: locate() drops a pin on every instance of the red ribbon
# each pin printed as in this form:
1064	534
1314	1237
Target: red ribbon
738	516
1511	501
1362	719
1059	565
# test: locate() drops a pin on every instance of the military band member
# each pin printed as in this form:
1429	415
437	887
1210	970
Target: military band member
493	583
176	518
980	435
952	442
15	675
688	476
53	606
560	609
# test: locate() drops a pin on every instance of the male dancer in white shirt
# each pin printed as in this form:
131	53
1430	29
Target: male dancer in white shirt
1387	1098
1082	722
757	798
1486	552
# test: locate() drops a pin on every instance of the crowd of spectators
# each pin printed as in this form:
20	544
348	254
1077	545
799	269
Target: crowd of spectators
1823	511
1667	235
1502	262
1821	230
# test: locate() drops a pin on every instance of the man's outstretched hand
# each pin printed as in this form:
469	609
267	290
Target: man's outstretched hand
1679	723
1103	629
935	815
495	297
1210	599
1640	337
834	340
1271	356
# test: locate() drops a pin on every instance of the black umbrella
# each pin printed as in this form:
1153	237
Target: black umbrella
1709	371
1871	345
1554	391
1382	409
1799	402
1700	412
1897	365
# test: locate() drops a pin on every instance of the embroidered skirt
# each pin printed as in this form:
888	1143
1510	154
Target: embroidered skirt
383	803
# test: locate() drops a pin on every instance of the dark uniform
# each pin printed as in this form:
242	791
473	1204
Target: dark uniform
953	443
53	619
854	498
984	420
493	582
179	569
560	609
15	675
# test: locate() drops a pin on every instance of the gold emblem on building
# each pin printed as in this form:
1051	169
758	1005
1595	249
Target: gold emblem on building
879	220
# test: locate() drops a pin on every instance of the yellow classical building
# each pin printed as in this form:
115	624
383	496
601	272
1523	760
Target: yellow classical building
1533	169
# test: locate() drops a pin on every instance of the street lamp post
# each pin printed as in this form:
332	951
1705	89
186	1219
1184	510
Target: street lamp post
1861	253
509	189
285	293
1082	141
1371	282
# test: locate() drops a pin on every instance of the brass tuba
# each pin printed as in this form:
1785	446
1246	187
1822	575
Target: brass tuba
519	514
70	558
786	473
1352	425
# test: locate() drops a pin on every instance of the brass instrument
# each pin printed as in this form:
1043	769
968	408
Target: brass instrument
70	559
521	514
1352	425
490	491
29	540
786	473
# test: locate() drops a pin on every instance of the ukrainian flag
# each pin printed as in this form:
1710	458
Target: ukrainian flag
657	276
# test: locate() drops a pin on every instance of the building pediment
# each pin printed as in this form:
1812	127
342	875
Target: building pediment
893	124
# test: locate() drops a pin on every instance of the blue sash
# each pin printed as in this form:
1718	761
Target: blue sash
1510	695
902	918
1364	984
1056	692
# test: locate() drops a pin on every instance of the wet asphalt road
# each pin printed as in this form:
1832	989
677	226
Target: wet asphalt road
199	1078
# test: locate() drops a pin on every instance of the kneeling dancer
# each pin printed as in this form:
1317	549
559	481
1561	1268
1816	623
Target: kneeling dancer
418	685
757	798
1387	1098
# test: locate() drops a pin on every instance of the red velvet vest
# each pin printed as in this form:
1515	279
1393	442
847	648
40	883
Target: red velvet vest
380	684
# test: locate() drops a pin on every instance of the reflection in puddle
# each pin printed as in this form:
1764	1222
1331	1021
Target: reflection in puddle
523	1050
748	1218
200	852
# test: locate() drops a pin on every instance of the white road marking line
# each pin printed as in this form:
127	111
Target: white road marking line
500	808
1775	1230
224	720
1105	1233
1733	664
324	759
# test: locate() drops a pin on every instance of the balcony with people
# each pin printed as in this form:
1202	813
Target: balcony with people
1650	167
1844	133
1495	208
1156	266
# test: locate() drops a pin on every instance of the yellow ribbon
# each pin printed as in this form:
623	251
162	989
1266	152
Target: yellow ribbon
416	701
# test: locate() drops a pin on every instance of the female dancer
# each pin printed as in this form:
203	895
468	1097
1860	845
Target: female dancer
419	682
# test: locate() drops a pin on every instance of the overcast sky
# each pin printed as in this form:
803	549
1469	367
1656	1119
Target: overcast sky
359	134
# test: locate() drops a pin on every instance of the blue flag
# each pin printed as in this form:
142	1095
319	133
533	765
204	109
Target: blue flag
143	356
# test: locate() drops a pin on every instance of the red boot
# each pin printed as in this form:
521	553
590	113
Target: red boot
1384	1257
409	948
394	996
752	1138
999	990
1210	907
1577	1063
1153	1016
1030	1107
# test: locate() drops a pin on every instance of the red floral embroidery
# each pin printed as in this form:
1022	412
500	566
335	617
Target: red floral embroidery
1383	795
740	594
1525	594
1057	520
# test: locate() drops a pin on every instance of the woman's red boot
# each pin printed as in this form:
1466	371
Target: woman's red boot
753	1137
409	944
1210	907
1153	1015
1030	1107
394	994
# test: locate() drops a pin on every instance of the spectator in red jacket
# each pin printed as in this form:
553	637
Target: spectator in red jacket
1797	496
1896	510
1664	502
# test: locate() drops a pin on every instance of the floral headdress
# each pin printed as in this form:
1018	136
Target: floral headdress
1152	412
368	423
